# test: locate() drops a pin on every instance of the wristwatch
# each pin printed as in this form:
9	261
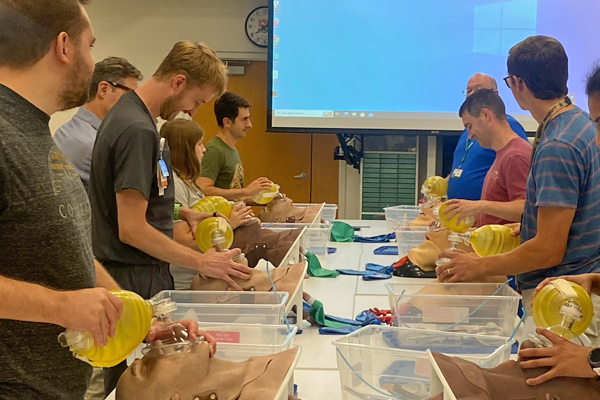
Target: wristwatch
594	359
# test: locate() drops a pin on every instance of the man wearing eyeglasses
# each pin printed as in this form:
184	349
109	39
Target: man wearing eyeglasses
112	78
471	161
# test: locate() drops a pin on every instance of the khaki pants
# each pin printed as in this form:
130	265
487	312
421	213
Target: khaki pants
592	332
96	389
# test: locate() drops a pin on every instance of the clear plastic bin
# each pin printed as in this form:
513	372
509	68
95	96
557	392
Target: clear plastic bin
409	237
382	360
478	308
228	307
314	238
400	216
238	342
330	212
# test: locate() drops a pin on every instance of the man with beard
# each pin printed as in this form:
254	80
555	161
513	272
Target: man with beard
48	277
131	183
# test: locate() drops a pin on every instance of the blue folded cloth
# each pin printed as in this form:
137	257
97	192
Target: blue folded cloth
375	239
374	276
381	269
366	275
331	250
324	330
386	251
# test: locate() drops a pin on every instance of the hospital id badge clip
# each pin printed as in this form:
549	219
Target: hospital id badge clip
457	173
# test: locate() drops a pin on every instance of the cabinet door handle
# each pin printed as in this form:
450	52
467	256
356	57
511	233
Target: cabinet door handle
303	175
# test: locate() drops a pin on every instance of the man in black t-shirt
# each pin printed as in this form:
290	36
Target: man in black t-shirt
48	277
131	184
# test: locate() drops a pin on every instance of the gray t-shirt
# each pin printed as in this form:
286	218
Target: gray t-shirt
45	238
125	156
186	196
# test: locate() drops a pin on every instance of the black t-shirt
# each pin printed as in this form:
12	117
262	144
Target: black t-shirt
125	156
45	238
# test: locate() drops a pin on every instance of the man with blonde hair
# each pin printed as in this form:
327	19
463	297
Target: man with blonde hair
131	184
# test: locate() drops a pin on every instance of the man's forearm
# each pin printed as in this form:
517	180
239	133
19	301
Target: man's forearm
104	279
229	194
530	256
149	240
25	301
509	210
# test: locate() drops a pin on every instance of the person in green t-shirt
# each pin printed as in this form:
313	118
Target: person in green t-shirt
222	168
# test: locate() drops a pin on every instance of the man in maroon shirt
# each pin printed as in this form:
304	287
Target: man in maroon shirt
503	196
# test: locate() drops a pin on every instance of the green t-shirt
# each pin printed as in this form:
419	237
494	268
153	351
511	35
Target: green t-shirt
223	165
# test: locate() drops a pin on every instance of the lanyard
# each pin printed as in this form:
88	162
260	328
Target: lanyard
468	145
162	172
566	102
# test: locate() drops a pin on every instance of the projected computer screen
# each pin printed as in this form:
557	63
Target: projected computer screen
373	65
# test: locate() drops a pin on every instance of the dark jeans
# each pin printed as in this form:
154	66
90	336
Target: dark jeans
145	280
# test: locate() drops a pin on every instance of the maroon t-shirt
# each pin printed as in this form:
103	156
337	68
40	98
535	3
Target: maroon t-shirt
507	178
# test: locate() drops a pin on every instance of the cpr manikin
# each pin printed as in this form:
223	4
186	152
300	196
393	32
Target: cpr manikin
283	210
182	369
507	381
258	243
286	279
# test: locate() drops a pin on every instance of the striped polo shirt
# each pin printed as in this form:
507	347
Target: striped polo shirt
565	173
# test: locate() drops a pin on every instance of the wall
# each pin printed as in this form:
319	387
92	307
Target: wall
129	29
144	31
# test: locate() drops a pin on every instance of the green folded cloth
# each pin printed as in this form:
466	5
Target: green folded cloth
342	232
315	269
317	313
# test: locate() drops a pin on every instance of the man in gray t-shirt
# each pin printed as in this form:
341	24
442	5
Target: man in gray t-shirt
47	270
132	193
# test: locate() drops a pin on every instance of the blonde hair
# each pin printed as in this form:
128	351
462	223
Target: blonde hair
198	63
182	136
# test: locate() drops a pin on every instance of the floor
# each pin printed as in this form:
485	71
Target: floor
345	296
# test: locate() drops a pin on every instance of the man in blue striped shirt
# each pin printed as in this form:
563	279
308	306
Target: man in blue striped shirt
560	234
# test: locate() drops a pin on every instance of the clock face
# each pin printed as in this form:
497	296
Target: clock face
257	26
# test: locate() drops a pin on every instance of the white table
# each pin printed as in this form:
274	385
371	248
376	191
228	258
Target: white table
345	296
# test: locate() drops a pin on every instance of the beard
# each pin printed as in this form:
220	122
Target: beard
77	86
171	108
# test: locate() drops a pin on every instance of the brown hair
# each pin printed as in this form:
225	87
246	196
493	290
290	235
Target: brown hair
182	136
115	70
29	27
198	63
228	106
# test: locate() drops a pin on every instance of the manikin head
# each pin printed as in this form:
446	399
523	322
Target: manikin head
113	77
484	115
165	373
192	75
233	115
538	70
284	210
51	41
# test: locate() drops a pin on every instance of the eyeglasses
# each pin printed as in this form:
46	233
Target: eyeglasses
119	86
509	77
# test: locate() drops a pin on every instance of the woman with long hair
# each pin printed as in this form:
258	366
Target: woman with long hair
185	139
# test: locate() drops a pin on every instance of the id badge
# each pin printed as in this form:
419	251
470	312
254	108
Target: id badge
457	173
163	167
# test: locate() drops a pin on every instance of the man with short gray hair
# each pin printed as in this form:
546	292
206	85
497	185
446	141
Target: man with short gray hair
472	162
112	78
